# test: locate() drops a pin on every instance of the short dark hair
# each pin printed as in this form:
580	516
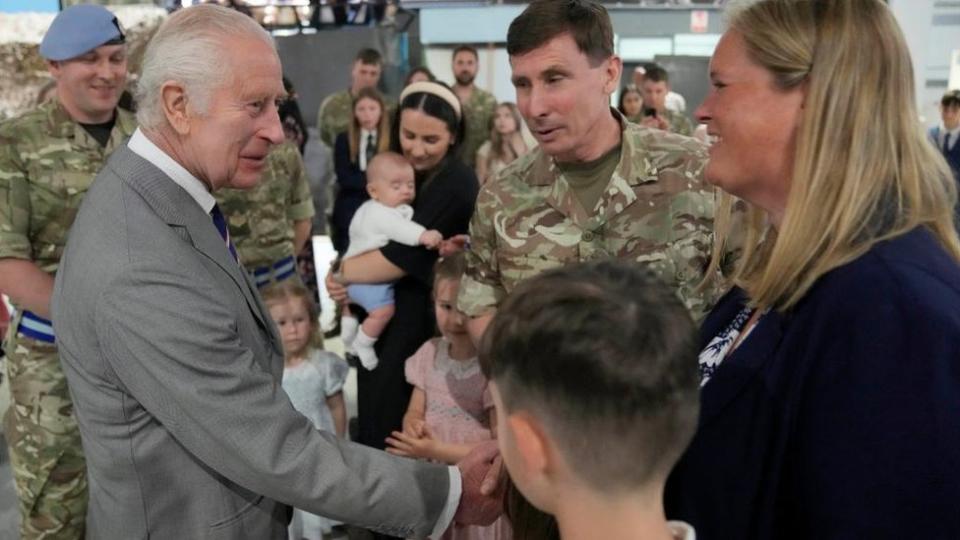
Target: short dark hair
951	99
438	108
606	356
656	73
419	69
465	48
370	57
586	20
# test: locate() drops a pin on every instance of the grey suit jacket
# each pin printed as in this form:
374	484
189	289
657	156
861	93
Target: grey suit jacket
174	367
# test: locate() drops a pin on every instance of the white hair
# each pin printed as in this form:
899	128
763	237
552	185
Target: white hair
189	49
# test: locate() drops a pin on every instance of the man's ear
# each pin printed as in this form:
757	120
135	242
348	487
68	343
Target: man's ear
531	443
53	67
613	69
173	100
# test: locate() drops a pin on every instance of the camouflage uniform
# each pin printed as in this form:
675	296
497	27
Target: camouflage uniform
657	210
679	123
478	111
47	162
261	219
333	117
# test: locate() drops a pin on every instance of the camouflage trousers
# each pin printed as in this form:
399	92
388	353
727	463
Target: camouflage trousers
46	455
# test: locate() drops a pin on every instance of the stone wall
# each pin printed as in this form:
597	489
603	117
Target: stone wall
23	72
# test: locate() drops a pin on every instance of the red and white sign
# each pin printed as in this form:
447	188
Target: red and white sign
699	20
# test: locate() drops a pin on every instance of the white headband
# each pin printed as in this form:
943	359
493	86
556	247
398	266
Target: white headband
434	89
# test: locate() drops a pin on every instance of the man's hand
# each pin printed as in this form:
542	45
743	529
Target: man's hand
454	244
477	507
656	122
431	239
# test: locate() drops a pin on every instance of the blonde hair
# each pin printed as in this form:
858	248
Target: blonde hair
291	290
862	171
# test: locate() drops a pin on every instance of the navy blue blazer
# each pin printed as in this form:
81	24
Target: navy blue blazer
839	418
952	155
351	192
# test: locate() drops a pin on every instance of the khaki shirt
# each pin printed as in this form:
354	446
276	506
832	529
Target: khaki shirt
47	163
261	219
657	210
478	112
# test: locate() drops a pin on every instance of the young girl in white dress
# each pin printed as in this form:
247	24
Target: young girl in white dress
450	410
312	378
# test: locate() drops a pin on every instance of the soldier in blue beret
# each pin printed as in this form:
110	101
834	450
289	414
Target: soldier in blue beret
48	158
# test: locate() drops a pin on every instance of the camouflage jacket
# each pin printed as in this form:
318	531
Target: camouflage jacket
47	162
478	111
333	116
657	210
261	219
679	123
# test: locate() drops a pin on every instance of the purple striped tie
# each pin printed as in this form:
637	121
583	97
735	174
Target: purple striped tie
221	224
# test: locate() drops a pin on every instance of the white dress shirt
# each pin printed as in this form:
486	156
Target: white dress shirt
954	135
142	146
362	153
145	148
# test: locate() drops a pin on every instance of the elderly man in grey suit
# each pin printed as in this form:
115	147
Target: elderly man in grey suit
170	355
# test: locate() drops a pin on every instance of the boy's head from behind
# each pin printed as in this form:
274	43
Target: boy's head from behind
390	179
594	372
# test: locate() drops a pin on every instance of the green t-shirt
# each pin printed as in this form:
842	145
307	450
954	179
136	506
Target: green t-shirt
589	179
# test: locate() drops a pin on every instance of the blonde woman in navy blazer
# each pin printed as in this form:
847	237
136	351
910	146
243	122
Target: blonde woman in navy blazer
831	371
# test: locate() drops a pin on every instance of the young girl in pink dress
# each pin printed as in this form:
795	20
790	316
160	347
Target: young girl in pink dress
450	410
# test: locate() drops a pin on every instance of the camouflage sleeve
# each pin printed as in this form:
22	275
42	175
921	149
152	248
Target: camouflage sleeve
481	290
323	127
694	210
300	206
684	126
14	203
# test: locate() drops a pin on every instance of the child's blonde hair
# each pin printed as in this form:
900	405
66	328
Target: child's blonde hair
291	290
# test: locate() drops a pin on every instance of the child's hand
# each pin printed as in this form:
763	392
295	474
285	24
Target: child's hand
402	444
414	426
431	239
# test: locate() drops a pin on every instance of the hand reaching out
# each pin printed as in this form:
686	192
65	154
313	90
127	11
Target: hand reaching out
454	244
431	239
414	426
409	445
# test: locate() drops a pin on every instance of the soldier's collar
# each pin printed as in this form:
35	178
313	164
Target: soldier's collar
61	125
546	171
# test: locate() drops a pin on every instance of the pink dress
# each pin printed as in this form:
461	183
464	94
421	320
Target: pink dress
458	408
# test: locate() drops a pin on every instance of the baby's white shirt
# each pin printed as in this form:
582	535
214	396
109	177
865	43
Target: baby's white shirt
375	224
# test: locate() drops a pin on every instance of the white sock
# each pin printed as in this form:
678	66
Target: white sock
363	344
348	330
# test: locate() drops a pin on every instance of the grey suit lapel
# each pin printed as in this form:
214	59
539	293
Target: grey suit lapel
177	208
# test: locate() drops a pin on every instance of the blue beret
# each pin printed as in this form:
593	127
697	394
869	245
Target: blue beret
78	30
